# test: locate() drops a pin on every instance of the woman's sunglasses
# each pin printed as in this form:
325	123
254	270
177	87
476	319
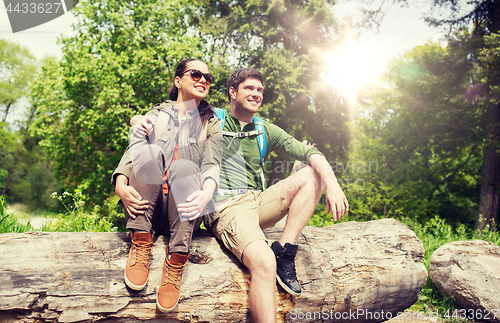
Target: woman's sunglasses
197	74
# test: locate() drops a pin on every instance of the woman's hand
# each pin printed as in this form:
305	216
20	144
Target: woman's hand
196	202
143	125
131	199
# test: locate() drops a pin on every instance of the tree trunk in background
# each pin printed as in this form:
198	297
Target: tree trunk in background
490	177
8	181
7	108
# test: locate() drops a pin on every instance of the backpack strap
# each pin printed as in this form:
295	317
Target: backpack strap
220	114
261	137
161	122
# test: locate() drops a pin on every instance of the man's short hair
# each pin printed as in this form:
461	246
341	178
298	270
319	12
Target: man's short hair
239	76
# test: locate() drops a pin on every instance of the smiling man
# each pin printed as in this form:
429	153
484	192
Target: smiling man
245	208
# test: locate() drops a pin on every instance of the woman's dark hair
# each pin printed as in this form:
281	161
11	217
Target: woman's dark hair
205	110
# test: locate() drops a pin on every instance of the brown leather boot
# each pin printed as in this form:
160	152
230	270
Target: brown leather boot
137	267
169	291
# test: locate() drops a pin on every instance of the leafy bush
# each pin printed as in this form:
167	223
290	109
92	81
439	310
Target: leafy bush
76	219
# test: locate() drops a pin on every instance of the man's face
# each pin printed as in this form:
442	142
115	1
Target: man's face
249	95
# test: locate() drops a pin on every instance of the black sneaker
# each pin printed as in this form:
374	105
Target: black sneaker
285	267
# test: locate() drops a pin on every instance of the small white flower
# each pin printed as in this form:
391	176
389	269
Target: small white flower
53	195
65	194
81	203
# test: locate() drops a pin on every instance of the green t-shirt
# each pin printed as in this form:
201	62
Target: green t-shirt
241	157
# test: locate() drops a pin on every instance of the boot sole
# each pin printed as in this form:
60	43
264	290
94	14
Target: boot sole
163	309
286	288
133	286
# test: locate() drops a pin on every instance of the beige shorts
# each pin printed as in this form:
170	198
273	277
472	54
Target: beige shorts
242	218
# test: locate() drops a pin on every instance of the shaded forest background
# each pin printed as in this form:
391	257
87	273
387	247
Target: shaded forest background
424	144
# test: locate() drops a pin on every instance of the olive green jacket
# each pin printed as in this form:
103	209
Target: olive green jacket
205	151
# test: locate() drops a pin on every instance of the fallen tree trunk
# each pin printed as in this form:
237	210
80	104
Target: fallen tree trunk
349	271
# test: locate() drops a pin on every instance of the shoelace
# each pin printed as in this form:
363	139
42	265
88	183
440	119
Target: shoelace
289	265
173	274
142	252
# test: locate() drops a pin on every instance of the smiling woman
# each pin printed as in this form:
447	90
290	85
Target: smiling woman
348	68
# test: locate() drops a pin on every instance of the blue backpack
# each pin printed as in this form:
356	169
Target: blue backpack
259	131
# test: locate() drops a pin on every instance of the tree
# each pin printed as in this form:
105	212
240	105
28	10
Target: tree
19	153
422	131
119	64
489	61
17	67
485	19
25	173
11	149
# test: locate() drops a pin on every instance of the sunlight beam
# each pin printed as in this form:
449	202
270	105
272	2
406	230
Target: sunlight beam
348	68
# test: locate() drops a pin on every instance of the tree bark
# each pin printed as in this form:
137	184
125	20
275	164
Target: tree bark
490	177
8	181
365	269
7	108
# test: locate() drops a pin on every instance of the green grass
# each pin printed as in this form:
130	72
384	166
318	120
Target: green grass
75	219
10	223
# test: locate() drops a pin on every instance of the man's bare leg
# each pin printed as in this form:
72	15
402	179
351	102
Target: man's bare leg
261	262
303	191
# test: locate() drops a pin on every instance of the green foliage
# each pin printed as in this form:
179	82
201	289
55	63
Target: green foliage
10	149
8	221
114	212
120	63
25	174
483	18
423	137
17	67
76	219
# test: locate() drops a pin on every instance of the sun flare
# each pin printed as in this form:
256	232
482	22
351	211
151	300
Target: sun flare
348	68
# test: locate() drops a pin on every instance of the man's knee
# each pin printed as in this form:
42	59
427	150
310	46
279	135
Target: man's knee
307	176
261	263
